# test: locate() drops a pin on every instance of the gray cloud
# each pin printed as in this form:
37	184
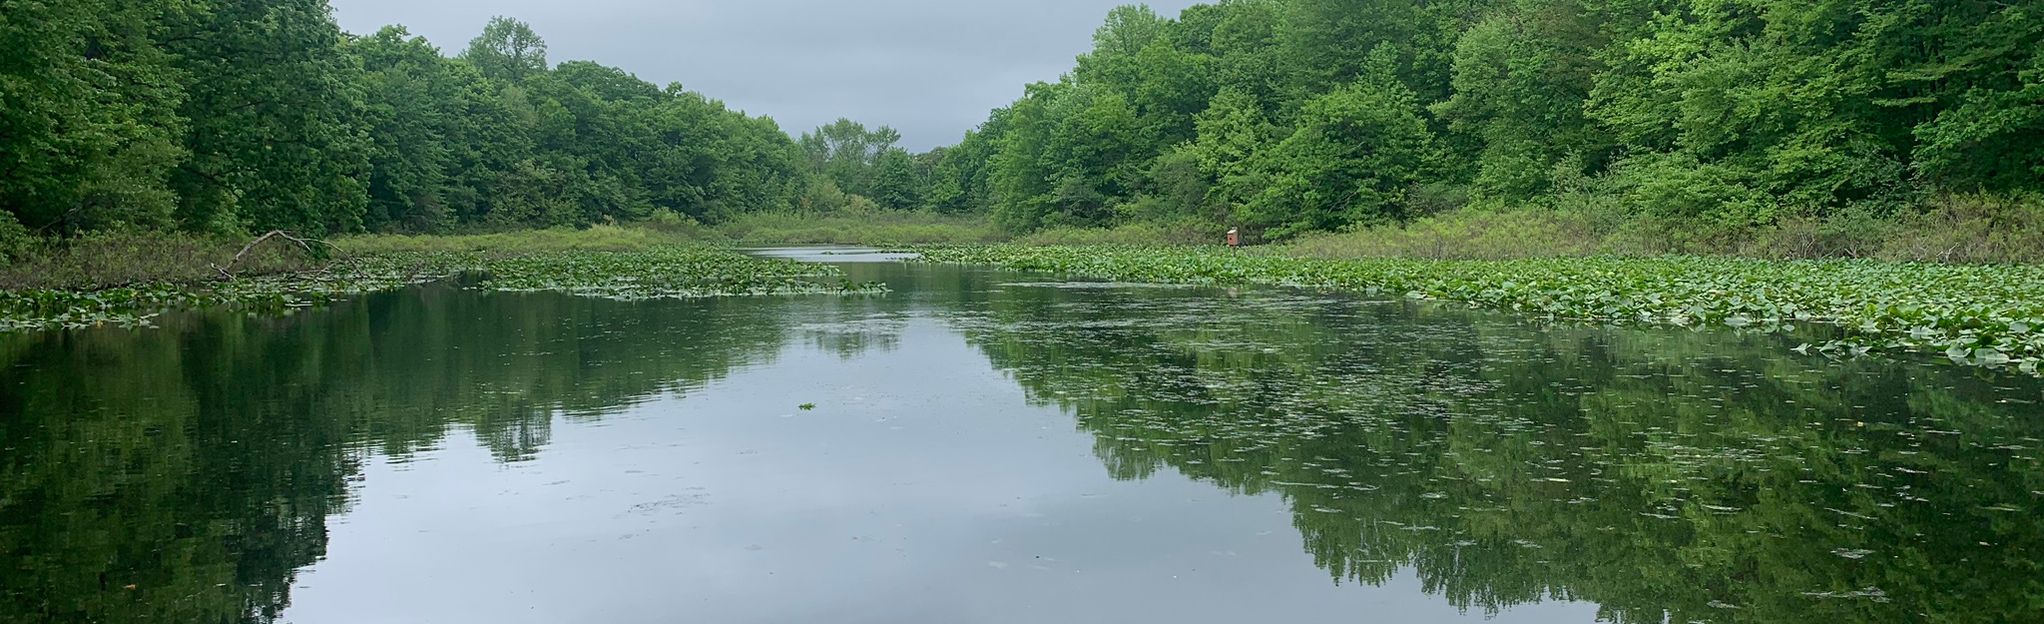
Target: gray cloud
930	69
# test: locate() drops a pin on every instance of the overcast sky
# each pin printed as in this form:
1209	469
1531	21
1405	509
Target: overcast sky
929	68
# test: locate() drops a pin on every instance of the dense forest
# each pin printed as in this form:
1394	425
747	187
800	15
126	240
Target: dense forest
1284	116
1299	115
249	115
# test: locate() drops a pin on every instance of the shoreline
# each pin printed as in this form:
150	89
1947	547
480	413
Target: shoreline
1988	316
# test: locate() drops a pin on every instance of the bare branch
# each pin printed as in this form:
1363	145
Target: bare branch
302	242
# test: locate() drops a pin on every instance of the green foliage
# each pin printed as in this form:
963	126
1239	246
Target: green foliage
1993	140
89	130
272	105
958	179
1233	133
231	116
1976	229
1975	315
898	180
1707	120
508	50
1521	77
15	241
1354	155
849	154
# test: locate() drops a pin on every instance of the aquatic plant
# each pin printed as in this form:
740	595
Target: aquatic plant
655	273
1991	316
667	272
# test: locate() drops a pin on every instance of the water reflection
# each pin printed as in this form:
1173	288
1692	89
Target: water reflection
1666	476
190	474
184	474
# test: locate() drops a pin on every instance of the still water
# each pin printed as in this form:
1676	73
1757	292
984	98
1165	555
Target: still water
981	446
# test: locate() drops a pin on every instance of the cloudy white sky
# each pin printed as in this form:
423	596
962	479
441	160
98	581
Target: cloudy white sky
930	68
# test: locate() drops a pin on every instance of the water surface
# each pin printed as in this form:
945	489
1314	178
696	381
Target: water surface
981	446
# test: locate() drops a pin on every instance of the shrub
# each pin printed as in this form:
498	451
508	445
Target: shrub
108	259
1971	229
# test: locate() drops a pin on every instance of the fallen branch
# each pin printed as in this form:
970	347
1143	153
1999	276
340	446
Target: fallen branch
302	242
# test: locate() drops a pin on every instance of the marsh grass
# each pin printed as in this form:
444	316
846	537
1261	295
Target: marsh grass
596	238
1467	234
109	260
1983	315
1955	229
1140	233
858	227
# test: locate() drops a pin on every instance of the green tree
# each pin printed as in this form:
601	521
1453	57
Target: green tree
1521	78
90	125
897	180
507	50
1355	154
275	135
847	151
414	108
1233	133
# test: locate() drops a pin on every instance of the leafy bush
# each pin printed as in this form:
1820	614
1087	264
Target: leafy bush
1355	154
15	241
1971	229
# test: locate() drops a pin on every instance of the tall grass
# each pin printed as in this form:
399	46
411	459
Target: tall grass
596	238
112	259
1139	233
858	227
1466	234
1956	229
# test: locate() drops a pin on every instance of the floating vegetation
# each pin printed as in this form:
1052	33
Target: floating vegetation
664	273
1989	316
658	273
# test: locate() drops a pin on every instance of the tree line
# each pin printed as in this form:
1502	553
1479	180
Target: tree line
1283	116
250	115
1297	115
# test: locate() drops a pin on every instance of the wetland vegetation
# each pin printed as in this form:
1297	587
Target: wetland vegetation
1345	452
1552	310
1977	315
656	271
1777	128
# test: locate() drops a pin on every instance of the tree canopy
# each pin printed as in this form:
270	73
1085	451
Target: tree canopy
1283	116
1320	114
239	115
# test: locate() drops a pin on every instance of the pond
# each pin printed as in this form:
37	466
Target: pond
986	446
